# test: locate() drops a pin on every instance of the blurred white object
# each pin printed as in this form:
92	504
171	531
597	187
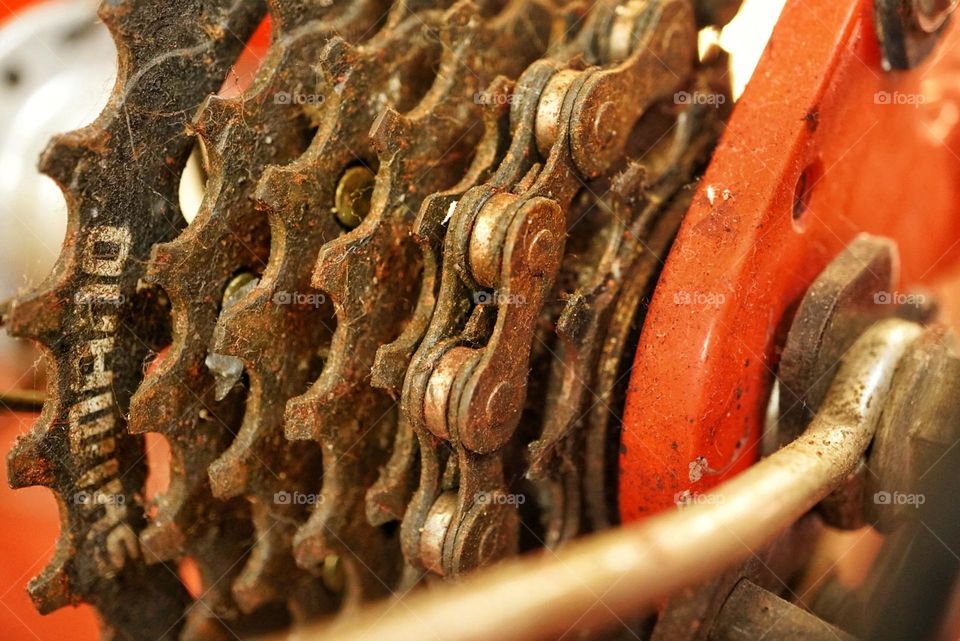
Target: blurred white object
746	37
57	68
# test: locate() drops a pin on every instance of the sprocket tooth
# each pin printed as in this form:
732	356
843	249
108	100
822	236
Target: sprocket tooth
336	61
159	395
329	275
236	334
301	422
389	132
274	186
62	156
200	270
27	464
387	498
271	565
168	393
90	312
390	361
313	542
167	261
164	540
50	590
229	474
30	315
256	584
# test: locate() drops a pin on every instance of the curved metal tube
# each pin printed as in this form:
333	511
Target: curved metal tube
621	573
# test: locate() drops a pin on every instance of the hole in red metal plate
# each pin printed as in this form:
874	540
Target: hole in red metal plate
803	189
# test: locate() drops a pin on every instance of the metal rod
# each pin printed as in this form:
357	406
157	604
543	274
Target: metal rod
622	573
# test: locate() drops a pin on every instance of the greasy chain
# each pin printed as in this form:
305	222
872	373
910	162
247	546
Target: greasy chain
400	323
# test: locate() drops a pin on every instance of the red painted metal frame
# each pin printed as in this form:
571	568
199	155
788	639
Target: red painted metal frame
10	7
876	151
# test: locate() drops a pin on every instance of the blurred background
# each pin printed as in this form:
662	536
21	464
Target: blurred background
57	67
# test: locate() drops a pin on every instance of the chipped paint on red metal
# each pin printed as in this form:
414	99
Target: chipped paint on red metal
880	154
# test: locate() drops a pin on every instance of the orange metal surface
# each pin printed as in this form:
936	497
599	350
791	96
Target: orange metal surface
821	132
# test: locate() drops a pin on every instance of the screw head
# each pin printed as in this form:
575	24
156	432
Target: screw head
352	198
238	286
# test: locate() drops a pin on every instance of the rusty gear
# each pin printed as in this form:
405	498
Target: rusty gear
427	233
98	321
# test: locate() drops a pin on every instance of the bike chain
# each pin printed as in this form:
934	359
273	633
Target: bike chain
465	388
396	241
370	273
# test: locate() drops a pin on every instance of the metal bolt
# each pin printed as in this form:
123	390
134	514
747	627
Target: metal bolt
332	574
237	287
352	198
